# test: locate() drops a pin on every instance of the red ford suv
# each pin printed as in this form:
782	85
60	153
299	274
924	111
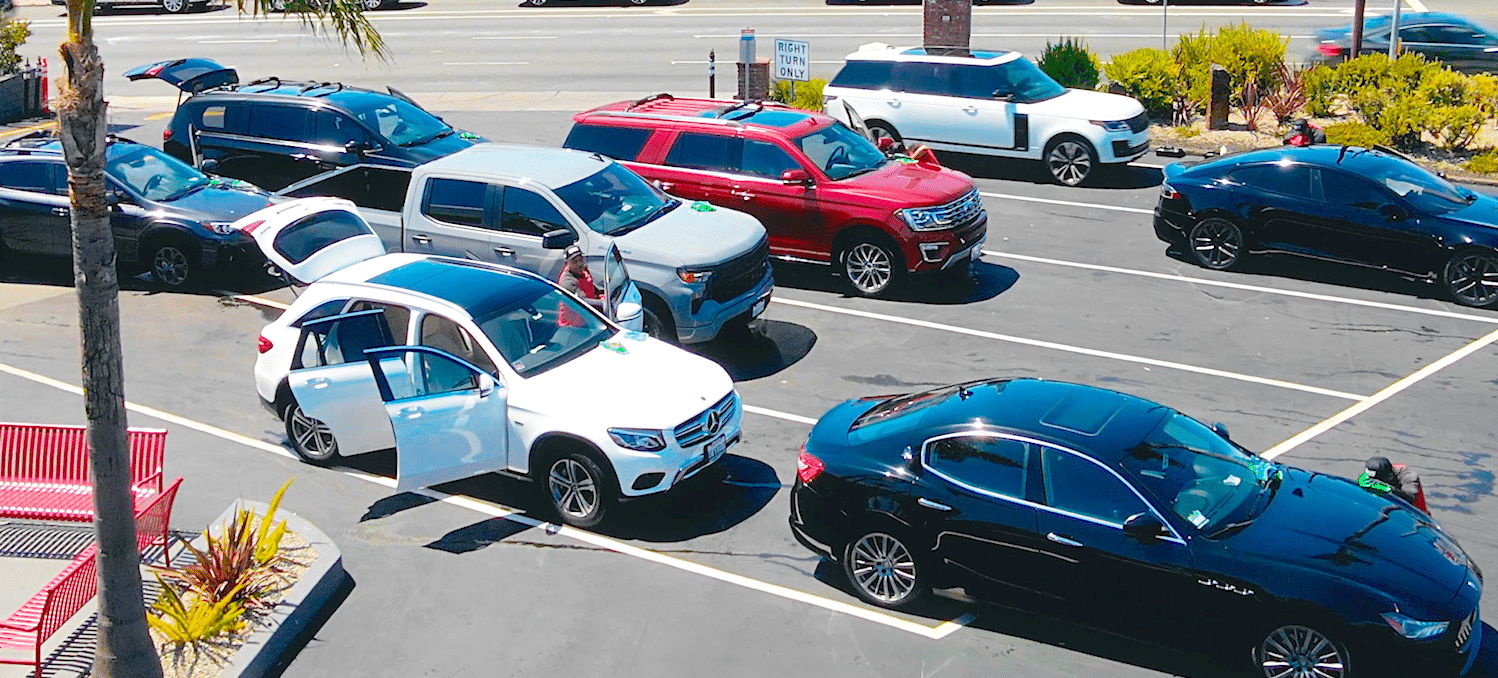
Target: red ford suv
825	194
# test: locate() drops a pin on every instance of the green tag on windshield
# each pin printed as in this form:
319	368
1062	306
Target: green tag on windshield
903	160
703	207
614	346
469	135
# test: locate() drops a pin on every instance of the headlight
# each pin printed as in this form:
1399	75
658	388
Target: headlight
692	277
219	227
1112	125
644	440
922	219
1414	629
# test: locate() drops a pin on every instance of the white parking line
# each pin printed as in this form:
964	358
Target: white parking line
1248	288
934	633
1388	392
1416	5
1068	203
1071	349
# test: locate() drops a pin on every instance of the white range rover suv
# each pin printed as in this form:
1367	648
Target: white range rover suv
987	103
465	367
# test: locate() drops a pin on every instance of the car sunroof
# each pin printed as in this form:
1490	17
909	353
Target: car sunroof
1086	416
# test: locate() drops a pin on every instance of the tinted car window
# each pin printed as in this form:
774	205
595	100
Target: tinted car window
1291	180
151	173
1416	34
529	213
1077	485
402	123
278	122
444	333
612	201
336	129
324	310
1452	35
1201	476
1348	190
1025	81
864	75
339	341
977	82
705	152
381	188
764	159
398	318
32	175
309	234
455	201
984	462
223	118
619	143
920	78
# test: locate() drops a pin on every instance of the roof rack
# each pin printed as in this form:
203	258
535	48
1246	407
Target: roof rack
330	86
645	100
662	116
266	81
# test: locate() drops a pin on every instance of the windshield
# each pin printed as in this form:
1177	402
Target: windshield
402	123
537	332
1413	183
840	152
615	200
1026	82
152	174
1198	474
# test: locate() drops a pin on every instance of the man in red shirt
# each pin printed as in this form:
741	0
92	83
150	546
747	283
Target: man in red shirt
576	279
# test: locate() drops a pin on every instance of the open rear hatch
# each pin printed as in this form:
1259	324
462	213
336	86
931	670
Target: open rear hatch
191	75
310	238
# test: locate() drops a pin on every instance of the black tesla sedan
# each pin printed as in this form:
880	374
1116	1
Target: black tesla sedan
1086	503
1341	203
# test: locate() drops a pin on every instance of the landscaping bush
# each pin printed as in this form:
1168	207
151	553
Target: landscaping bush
1247	53
1456	127
1146	74
12	35
1487	163
1285	100
1070	63
1355	134
1446	88
1321	91
1485	93
808	95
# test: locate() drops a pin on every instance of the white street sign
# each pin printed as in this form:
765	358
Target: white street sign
792	60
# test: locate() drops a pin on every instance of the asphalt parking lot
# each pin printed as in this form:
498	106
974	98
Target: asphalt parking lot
1073	286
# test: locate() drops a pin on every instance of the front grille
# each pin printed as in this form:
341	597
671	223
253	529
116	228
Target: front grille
696	430
961	211
1122	149
740	274
1139	123
1464	631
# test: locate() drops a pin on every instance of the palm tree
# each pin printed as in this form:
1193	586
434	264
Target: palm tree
124	646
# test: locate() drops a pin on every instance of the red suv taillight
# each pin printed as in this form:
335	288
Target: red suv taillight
262	344
807	466
1329	49
166	134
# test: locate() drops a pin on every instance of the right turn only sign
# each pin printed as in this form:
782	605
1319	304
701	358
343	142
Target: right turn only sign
792	60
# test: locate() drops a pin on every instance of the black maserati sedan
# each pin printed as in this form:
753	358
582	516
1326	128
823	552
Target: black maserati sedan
1114	511
1366	207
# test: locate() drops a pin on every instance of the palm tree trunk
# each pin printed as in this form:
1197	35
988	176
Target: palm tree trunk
124	645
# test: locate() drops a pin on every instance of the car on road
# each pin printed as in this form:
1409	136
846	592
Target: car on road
1459	43
1117	511
465	367
826	195
167	217
1367	207
171	6
273	133
987	103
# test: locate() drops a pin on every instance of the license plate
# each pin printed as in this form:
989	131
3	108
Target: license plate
715	449
759	307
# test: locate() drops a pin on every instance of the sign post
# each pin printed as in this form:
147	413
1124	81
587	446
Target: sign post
792	62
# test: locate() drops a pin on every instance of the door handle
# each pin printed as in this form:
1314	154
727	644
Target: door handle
1062	540
319	382
415	412
746	195
504	251
60	211
970	109
895	103
932	505
423	239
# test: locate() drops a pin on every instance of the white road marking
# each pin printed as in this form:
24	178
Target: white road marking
678	62
779	415
1249	288
724	36
258	301
934	633
486	63
1416	5
233	42
1071	349
514	37
1068	203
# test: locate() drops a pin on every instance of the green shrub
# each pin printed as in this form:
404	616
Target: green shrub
192	620
1146	74
1485	93
1403	118
1247	53
1487	163
1070	63
1447	88
808	94
1187	131
1355	134
12	35
1455	126
1321	91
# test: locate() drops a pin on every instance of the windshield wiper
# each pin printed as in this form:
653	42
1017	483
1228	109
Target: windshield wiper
187	191
640	223
430	139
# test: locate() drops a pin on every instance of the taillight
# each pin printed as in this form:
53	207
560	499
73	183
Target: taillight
1329	49
807	466
166	134
250	227
262	344
1169	193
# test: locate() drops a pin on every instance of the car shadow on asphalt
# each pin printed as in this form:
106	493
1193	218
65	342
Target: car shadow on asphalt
982	282
58	272
1329	273
1125	177
759	350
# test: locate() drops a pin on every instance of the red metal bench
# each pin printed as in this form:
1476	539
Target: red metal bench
44	470
29	627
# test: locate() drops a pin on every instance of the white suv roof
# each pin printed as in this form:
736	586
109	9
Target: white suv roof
918	54
550	167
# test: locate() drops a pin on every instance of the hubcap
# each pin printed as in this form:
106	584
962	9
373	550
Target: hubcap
573	491
1473	279
173	5
869	267
1069	163
1300	652
311	436
371	4
883	568
1217	243
170	266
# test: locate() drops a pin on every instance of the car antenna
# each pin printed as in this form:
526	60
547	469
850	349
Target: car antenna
1342	153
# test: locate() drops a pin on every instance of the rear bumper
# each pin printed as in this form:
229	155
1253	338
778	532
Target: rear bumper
1170	227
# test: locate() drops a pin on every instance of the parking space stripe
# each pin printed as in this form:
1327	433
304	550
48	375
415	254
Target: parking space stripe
780	415
1068	203
1071	349
1248	288
934	633
1388	392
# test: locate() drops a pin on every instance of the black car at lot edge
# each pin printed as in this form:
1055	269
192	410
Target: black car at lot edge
167	217
1113	510
1366	207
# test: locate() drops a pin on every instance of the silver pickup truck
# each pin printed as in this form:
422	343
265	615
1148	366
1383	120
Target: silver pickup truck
698	267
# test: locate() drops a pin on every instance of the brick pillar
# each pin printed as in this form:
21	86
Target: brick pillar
948	23
756	86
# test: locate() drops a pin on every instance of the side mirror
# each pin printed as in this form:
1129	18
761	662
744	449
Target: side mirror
795	177
885	144
1003	96
1221	430
911	460
357	147
486	384
1393	213
627	311
208	166
1144	528
558	239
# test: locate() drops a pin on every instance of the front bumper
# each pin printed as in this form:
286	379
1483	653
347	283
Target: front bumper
646	473
1120	147
941	250
712	316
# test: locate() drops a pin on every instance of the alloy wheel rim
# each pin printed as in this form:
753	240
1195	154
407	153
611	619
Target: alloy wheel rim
869	267
173	5
573	490
371	4
1217	243
1474	279
312	436
883	567
170	265
1300	652
1069	163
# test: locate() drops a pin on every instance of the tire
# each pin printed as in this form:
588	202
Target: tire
174	6
883	570
1216	243
1294	650
658	323
278	5
173	261
310	439
870	265
1470	277
1070	160
535	3
372	5
884	129
578	489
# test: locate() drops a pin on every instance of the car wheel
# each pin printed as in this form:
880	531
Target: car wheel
657	325
311	439
1070	160
870	266
1294	651
174	6
1216	243
1471	278
883	570
277	5
372	5
879	130
174	263
637	2
578	489
535	3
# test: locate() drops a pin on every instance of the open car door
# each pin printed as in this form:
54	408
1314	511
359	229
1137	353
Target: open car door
189	75
448	416
856	123
331	380
621	297
312	237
